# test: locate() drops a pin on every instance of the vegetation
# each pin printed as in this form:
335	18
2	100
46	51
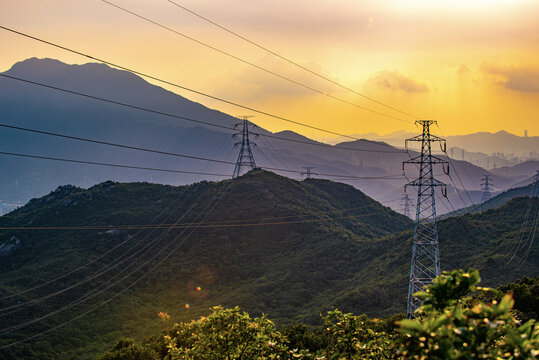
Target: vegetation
531	190
337	248
450	324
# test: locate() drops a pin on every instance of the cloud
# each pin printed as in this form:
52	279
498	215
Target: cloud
514	78
395	81
252	84
463	69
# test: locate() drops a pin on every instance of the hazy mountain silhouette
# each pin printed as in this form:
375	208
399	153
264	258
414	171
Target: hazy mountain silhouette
480	142
49	110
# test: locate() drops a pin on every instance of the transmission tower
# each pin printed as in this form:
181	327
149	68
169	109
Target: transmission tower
425	253
308	173
405	205
245	156
485	186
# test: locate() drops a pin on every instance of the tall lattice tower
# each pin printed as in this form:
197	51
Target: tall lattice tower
485	186
425	252
405	205
245	156
308	172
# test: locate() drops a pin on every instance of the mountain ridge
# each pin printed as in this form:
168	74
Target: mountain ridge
297	248
44	109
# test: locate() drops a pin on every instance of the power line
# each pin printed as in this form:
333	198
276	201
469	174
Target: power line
109	164
223	222
532	235
114	144
290	61
516	244
162	226
229	102
147	246
390	177
164	211
184	226
157	112
19	326
80	300
252	64
444	150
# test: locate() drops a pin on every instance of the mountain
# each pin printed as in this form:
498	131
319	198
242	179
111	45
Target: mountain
26	105
41	108
506	145
499	142
290	249
524	169
531	190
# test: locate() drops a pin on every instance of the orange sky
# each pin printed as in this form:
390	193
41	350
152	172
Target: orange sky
472	65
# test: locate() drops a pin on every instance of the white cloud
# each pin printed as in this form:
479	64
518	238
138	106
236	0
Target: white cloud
395	81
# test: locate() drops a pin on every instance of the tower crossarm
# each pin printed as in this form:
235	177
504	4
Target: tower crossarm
425	182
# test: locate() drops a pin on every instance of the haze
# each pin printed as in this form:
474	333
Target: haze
471	65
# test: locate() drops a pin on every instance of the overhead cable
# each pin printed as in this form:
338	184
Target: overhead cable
162	113
276	54
198	92
253	64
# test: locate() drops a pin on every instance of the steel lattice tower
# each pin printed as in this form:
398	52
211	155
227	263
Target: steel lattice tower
486	188
308	173
245	156
406	205
425	252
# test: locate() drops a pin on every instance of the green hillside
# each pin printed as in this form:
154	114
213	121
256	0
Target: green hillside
264	242
499	200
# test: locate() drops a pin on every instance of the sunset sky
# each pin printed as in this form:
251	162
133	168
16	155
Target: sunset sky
471	65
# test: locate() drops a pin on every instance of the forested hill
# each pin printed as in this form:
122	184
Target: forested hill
498	200
264	242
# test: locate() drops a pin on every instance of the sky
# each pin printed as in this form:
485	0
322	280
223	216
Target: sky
471	65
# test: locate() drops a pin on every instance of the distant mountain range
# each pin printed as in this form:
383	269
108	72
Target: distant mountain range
480	142
500	199
45	109
290	249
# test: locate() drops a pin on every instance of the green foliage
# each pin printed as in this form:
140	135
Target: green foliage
452	329
226	334
450	324
499	200
356	264
128	349
356	337
448	290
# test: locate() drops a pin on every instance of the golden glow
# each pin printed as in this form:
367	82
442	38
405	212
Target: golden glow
472	65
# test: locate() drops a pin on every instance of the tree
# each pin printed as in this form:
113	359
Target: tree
451	326
227	334
128	349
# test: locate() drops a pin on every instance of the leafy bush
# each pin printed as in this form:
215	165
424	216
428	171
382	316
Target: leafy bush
449	327
226	334
356	337
128	349
452	323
